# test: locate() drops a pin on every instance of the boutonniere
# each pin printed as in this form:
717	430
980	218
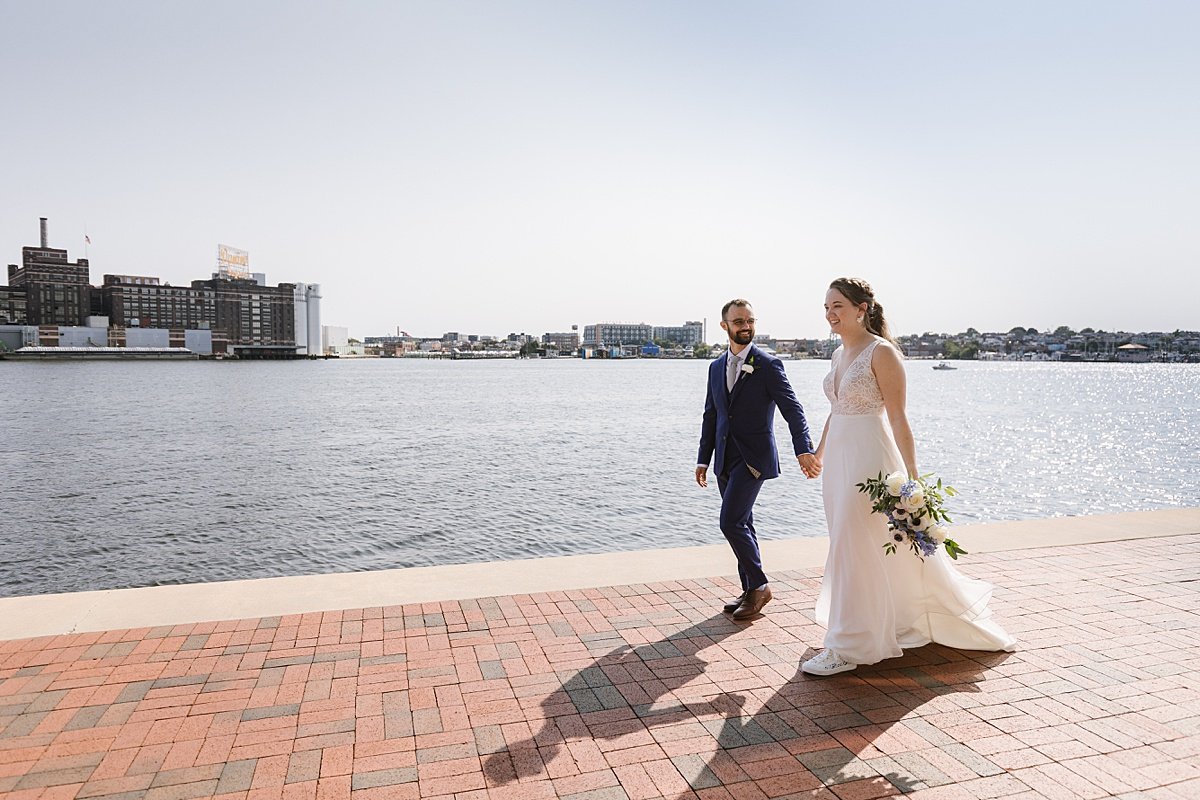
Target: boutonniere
748	367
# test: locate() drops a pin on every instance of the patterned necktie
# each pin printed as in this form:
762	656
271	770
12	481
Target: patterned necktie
731	365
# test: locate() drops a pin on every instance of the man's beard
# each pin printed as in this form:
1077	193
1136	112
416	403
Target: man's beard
743	337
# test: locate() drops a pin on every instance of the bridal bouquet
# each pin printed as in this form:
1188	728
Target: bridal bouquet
914	511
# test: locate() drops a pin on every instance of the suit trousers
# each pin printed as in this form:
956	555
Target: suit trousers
739	489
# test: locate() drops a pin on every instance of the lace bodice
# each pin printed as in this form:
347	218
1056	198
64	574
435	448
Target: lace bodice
858	392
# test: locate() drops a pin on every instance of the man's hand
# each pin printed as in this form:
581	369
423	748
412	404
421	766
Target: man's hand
702	477
810	465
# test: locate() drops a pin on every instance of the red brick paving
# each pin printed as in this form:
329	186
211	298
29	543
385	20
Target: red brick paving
629	693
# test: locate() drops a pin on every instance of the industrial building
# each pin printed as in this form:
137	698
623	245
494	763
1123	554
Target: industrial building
234	312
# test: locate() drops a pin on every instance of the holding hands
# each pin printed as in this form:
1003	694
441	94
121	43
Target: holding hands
810	465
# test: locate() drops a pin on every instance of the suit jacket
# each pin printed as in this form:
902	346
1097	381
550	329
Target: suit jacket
746	416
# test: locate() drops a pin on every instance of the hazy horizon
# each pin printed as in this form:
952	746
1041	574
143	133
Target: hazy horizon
495	167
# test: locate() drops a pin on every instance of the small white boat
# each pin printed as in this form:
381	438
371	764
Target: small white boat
943	365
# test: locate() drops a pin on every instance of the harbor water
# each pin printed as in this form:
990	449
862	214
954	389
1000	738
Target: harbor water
133	474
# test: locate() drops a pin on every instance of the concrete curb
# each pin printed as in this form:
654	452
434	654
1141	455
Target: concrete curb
76	612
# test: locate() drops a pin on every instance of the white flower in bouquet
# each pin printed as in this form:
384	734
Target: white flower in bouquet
938	533
919	523
895	482
900	512
913	495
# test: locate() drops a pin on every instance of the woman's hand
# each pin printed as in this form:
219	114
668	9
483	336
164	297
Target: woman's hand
810	465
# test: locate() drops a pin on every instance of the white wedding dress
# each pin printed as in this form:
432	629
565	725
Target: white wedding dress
874	605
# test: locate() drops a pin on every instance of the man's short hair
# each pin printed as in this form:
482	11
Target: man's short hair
737	301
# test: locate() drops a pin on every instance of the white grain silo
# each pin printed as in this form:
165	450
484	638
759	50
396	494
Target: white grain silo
313	303
301	311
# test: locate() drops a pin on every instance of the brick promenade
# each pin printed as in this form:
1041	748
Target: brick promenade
637	692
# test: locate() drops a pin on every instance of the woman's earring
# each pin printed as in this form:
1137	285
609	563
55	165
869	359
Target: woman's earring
860	319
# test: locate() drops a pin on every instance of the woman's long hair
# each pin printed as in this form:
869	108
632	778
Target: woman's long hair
858	291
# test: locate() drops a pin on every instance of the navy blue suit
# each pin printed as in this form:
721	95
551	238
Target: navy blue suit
739	429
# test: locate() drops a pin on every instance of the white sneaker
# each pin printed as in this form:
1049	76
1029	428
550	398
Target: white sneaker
826	663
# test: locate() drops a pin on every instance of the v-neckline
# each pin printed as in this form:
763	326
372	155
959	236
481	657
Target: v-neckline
837	382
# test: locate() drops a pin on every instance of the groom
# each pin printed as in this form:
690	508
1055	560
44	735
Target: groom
744	387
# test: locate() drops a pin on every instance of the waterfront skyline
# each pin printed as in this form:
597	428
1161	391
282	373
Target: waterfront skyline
529	165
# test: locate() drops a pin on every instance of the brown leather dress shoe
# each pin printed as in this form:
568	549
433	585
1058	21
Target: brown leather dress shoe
733	604
753	603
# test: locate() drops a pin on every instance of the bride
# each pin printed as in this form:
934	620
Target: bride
874	605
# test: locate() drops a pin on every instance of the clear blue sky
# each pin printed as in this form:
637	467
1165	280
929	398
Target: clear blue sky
523	166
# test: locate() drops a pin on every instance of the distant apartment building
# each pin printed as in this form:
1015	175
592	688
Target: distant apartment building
563	342
689	334
615	333
609	334
57	291
387	341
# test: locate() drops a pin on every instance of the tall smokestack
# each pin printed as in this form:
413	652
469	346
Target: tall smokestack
45	236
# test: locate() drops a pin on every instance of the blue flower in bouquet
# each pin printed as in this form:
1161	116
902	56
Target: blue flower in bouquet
924	543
